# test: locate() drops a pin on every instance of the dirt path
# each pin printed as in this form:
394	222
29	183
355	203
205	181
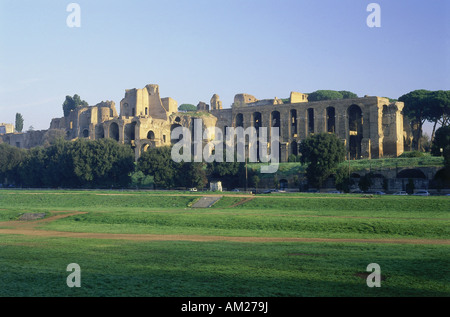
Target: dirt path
29	228
242	201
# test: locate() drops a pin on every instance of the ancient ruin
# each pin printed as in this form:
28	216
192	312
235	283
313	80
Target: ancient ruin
370	127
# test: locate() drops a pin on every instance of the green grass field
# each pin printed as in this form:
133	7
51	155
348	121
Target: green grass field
251	249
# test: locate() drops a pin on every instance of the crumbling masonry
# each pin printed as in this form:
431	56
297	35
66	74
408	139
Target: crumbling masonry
370	127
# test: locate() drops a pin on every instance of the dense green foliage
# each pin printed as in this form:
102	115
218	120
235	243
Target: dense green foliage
19	122
423	105
157	162
322	152
320	95
412	154
71	103
441	140
10	159
342	179
83	163
187	107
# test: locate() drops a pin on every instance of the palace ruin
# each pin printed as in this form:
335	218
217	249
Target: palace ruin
370	127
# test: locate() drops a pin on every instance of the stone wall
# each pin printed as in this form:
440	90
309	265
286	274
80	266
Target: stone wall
370	127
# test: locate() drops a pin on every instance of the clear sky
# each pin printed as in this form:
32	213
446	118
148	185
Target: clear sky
195	48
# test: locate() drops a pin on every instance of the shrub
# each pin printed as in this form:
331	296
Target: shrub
412	154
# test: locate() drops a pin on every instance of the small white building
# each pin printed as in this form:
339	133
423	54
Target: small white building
215	186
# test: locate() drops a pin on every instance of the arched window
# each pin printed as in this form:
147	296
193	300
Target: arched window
310	120
239	121
355	121
150	135
331	120
114	131
293	122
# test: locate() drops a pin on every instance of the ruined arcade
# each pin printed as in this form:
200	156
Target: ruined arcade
370	127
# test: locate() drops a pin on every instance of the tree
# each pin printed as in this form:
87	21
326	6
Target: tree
416	108
410	186
102	162
191	174
187	107
71	103
157	162
10	159
19	122
342	179
32	168
322	152
320	95
348	94
229	173
365	182
255	180
447	157
83	163
441	140
439	112
325	95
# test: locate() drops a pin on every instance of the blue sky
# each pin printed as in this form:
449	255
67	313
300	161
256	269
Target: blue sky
195	48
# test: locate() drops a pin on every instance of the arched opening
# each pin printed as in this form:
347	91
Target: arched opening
151	135
173	127
294	148
85	133
411	173
275	119
99	132
331	120
257	151
441	179
257	121
225	133
114	131
355	126
388	147
130	132
293	122
239	120
310	120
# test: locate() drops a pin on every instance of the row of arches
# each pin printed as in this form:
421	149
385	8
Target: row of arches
114	132
355	125
354	114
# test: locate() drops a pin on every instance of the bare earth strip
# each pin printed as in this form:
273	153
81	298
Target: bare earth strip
28	228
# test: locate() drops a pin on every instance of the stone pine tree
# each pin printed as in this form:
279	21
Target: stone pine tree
19	122
441	141
322	152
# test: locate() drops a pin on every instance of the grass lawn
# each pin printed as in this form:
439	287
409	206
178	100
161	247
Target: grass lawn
36	265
